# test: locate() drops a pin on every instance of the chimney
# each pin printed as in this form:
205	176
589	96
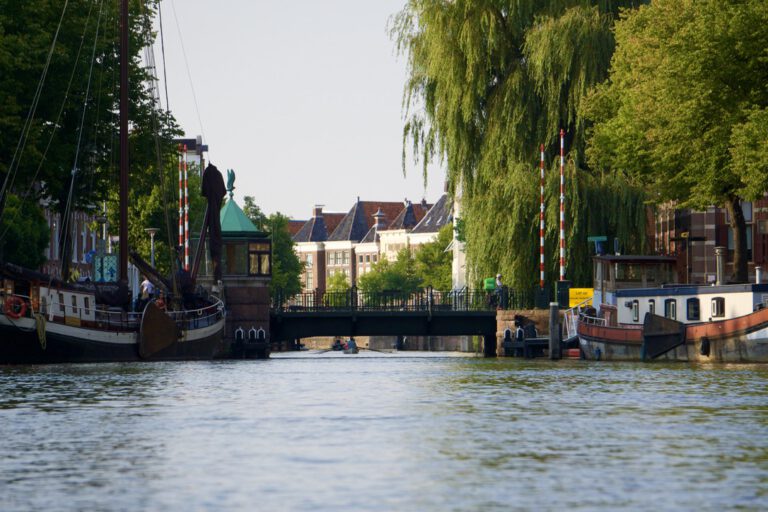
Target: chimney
424	202
317	211
719	264
380	221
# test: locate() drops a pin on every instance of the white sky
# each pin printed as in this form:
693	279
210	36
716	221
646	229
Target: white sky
301	98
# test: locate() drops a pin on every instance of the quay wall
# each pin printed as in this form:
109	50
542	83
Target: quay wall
505	319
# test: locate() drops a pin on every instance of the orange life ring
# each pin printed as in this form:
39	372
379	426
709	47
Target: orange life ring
15	307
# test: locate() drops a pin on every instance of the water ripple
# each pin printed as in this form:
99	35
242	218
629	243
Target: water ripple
384	433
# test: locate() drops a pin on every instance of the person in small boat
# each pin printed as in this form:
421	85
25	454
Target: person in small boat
350	345
337	344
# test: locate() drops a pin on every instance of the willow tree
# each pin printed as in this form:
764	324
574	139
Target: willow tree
685	109
490	80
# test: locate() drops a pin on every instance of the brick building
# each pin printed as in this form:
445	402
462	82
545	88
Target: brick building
692	235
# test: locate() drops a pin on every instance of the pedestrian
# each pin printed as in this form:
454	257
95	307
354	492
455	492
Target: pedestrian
501	301
147	289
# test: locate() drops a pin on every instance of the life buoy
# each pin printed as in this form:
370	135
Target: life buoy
15	307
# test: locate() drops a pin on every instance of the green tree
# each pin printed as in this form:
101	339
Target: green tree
337	290
489	80
433	262
254	213
398	276
26	237
286	266
684	110
43	104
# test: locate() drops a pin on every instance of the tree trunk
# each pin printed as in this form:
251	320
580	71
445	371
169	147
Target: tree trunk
739	228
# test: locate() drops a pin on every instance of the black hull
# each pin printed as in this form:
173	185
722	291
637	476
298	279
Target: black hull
20	347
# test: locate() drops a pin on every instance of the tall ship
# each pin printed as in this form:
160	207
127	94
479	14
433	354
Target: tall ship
48	320
639	312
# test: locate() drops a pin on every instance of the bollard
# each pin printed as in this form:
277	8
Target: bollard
554	331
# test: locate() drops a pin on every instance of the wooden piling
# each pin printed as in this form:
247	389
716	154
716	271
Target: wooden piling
554	331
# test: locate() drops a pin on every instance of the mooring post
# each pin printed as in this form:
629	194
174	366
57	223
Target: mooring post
489	345
554	330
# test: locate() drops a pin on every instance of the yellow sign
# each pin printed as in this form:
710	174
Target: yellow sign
578	295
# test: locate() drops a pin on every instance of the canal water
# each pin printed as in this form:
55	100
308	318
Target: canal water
384	432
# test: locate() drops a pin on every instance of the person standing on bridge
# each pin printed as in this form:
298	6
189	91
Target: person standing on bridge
501	296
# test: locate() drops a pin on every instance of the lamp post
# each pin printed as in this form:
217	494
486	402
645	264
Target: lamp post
152	232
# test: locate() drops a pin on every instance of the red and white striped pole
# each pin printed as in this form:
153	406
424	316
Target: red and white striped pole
186	213
562	204
181	199
541	222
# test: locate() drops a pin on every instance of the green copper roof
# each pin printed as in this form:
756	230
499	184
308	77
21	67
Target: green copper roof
233	220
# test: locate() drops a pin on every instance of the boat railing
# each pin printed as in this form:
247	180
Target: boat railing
197	318
109	318
576	313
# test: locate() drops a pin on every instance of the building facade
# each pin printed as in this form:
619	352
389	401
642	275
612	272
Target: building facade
371	230
692	235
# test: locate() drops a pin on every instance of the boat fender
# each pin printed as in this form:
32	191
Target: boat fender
704	349
15	307
598	353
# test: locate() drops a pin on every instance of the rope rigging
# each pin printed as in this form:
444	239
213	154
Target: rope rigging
66	221
189	73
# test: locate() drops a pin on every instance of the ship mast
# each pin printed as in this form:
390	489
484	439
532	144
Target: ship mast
123	209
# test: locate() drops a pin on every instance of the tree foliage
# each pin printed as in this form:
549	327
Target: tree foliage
433	263
685	108
25	236
286	266
43	151
400	275
254	213
489	80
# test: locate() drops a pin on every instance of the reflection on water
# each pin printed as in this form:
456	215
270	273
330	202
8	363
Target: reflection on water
383	432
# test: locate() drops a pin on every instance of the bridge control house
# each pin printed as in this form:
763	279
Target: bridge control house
246	274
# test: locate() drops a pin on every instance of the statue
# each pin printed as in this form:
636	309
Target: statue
231	182
213	190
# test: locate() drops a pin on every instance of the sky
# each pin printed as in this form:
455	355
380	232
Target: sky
303	99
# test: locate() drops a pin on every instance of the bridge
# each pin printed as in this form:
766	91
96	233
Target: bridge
392	313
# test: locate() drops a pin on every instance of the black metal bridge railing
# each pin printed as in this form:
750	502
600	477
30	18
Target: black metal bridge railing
425	300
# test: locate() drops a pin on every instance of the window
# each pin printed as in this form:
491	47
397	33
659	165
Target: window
345	255
670	309
308	262
367	258
310	281
635	311
234	259
61	302
259	259
74	304
86	305
718	307
692	309
360	259
375	258
652	306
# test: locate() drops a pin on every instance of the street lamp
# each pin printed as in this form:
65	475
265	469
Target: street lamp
152	232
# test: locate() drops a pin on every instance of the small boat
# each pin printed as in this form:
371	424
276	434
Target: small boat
350	347
632	321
